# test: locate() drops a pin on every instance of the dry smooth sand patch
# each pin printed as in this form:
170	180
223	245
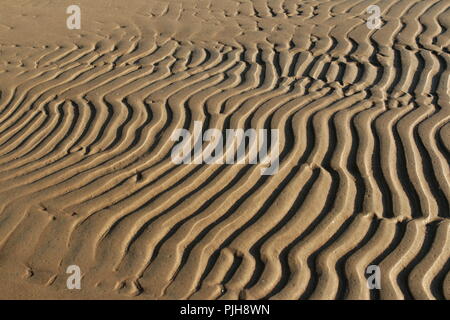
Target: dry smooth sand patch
86	176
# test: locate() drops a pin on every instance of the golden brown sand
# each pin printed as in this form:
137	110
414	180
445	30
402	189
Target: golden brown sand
86	176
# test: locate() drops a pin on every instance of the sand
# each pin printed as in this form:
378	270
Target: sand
86	176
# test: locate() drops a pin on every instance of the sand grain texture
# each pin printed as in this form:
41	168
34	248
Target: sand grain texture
86	176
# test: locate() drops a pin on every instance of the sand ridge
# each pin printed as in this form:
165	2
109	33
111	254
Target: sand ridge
86	176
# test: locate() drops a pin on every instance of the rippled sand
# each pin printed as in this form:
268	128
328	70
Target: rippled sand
86	176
